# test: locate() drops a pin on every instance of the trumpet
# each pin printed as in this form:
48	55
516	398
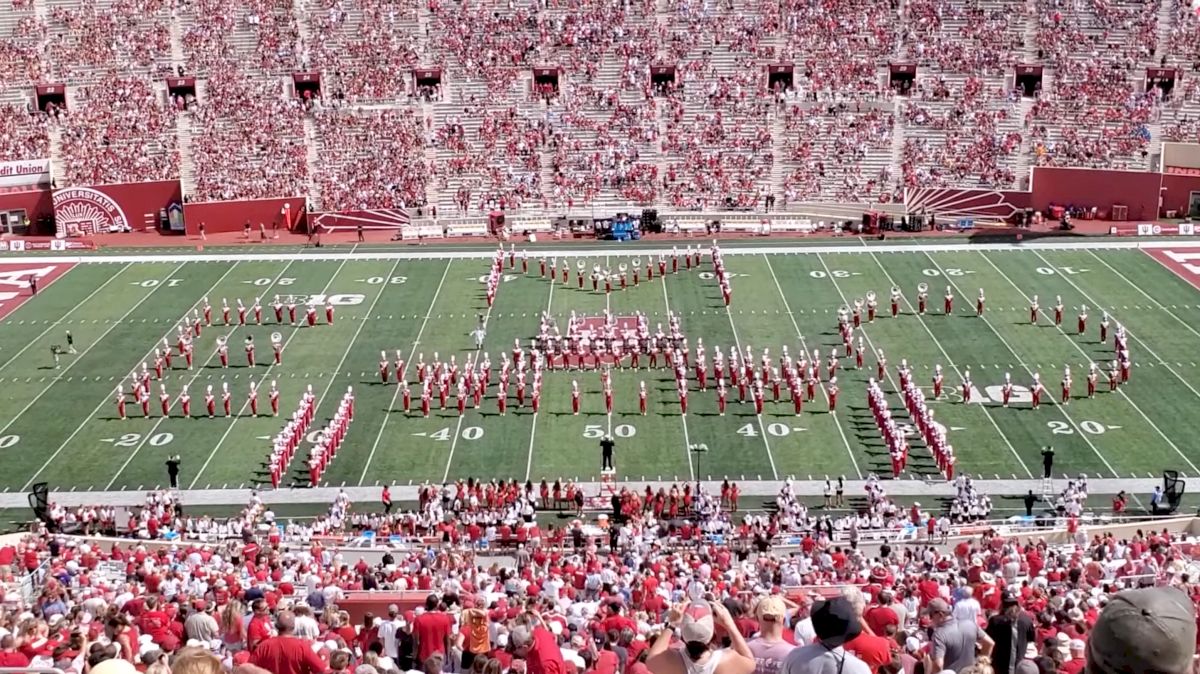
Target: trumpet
858	304
581	265
922	287
623	267
870	295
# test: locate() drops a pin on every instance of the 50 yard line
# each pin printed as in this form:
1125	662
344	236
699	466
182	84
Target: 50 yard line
400	375
87	420
533	422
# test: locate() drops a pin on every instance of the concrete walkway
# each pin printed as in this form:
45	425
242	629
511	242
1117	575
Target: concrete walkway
854	488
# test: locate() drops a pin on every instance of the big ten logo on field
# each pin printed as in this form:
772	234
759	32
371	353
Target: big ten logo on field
15	288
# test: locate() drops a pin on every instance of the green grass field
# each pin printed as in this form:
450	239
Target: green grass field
60	425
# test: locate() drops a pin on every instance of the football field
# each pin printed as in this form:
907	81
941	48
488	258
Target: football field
60	425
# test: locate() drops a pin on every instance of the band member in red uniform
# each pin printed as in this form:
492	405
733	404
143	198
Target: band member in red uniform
811	389
542	266
1066	386
880	365
384	364
1125	369
833	394
608	400
185	402
721	396
1058	310
1006	390
291	307
922	298
1113	377
277	348
536	400
310	312
329	312
225	311
1034	310
1036	390
143	397
278	307
257	311
274	395
979	303
872	306
574	397
207	311
241	312
223	352
252	398
1103	329
166	353
250	350
406	397
1081	323
683	395
642	398
895	301
501	401
860	352
948	301
1093	375
797	399
164	400
210	402
966	386
158	364
938	378
460	398
226	399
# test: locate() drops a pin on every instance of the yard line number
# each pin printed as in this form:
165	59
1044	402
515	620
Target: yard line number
948	271
595	431
1066	271
7	441
1063	428
133	439
393	280
776	429
283	281
154	282
468	433
835	273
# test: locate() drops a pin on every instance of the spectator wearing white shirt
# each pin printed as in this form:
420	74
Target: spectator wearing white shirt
388	630
968	607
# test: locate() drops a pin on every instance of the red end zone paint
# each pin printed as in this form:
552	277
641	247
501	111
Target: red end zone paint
14	281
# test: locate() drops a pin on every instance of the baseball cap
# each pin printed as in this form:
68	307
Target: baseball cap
937	605
697	625
771	606
835	622
1147	630
1009	598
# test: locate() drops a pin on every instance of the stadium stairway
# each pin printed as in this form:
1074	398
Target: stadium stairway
187	166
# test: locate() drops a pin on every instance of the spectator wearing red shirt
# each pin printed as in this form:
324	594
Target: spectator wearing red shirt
287	654
9	656
432	631
538	647
879	616
260	628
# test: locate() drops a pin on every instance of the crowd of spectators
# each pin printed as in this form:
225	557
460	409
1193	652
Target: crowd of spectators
259	36
568	600
371	158
365	48
248	140
22	134
119	130
91	37
967	38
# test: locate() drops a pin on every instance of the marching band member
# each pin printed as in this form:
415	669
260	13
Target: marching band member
922	298
278	306
1066	386
250	350
277	347
1034	309
833	394
210	401
241	312
1081	324
222	352
185	402
383	367
1006	390
225	311
642	397
1093	375
895	301
274	395
574	397
937	381
948	302
252	398
1036	390
979	303
329	312
1058	310
225	399
164	400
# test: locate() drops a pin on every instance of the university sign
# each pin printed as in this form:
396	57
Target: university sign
79	211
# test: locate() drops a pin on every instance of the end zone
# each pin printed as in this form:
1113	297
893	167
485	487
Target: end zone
1183	260
14	281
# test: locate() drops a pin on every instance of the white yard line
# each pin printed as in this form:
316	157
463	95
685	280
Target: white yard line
687	440
762	429
486	253
837	422
1145	346
1028	370
1160	305
487	317
54	380
953	366
72	310
267	372
198	371
533	422
107	400
607	312
400	375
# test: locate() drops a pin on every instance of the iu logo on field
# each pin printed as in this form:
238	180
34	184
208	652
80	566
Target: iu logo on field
83	210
